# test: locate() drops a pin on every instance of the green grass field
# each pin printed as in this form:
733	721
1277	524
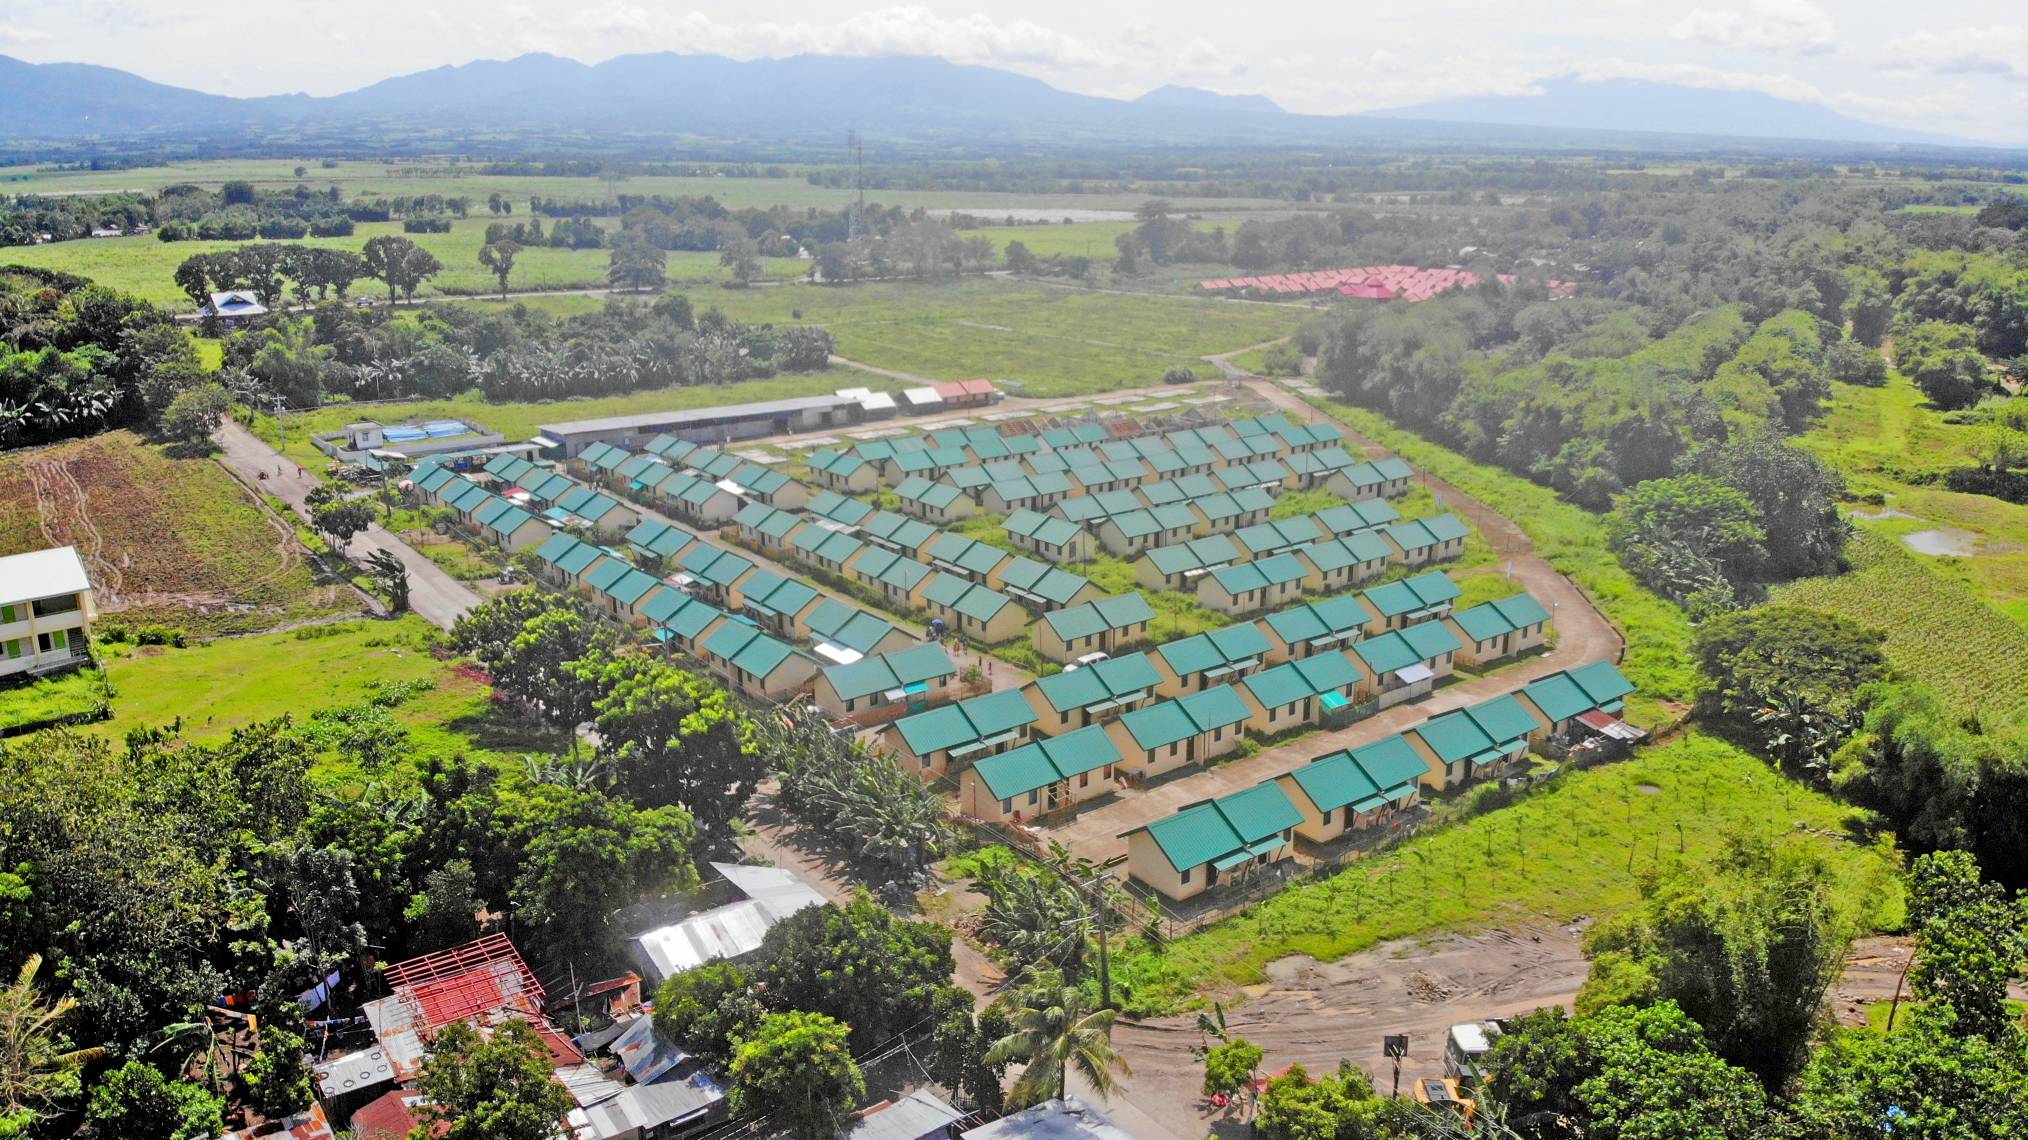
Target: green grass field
1570	850
70	694
217	686
176	541
146	267
1053	341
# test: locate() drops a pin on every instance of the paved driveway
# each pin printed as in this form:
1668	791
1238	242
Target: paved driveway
438	597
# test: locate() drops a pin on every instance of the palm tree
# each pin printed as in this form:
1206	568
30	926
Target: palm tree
35	1065
1055	1030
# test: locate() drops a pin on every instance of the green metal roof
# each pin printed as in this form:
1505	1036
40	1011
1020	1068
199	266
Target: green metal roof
966	722
1047	761
1158	726
1453	737
556	546
895	670
1054	586
1559	697
1216	649
769	592
1602	682
1195	554
574	560
687	616
603	456
748	649
970	599
1259	574
1395	650
1504	719
1120	612
1431	640
838	508
898	531
1278	534
937	496
897	570
1224	828
1105	682
1497	619
1046	529
1333	781
606	573
829	545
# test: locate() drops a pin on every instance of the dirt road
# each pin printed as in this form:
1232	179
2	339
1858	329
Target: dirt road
434	594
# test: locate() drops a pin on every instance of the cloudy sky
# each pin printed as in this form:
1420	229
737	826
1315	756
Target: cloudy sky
1953	66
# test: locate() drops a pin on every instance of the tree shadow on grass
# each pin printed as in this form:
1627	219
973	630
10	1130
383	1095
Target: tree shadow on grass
495	730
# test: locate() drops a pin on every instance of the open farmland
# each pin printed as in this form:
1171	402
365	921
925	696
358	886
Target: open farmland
146	267
1575	850
432	177
172	541
1053	341
1939	631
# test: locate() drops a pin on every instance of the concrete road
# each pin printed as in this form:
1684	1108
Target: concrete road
438	597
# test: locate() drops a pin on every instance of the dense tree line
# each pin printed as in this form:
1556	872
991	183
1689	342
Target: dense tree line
76	358
520	354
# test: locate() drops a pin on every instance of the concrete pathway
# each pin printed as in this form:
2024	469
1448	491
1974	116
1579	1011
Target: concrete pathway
433	593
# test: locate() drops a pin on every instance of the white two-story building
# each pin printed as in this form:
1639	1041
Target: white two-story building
45	612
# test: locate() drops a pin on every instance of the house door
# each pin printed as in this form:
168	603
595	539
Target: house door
1210	876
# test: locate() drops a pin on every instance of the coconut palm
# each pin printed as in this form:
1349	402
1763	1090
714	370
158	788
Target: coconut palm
1056	1030
36	1065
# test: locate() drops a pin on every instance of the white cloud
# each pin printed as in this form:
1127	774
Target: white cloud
1797	27
2001	50
1781	86
895	30
16	34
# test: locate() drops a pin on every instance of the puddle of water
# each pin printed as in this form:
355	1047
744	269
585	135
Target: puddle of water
996	213
1883	513
1648	789
1943	542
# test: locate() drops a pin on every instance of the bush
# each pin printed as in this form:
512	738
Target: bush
161	635
1181	374
1854	363
192	416
426	225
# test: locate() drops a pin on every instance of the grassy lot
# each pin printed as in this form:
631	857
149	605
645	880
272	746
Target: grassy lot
1055	342
146	267
431	176
518	420
214	687
1572	540
1570	850
176	541
70	694
1939	630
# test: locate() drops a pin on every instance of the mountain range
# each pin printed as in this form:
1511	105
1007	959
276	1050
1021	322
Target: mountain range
901	101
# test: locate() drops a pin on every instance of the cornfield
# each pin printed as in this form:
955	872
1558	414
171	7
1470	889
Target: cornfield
1939	632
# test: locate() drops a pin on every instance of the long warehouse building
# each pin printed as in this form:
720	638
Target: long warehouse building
702	425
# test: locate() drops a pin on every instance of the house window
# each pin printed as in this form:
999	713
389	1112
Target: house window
6	614
1034	797
1184	877
52	640
1006	806
1084	780
14	648
1327	817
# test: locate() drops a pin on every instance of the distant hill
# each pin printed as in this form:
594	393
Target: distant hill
1198	99
903	102
1637	105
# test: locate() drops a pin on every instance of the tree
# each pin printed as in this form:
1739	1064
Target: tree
1919	1081
392	576
1231	1068
442	913
1852	362
880	812
1020	259
497	1087
340	519
1789	680
1971	944
1796	496
193	416
398	263
1944	361
1624	1074
278	1076
499	257
958	1046
709	1010
675	738
858	963
638	264
38	1068
742	257
1689	538
583	857
798	1069
1341	1106
1746	948
1056	1030
264	267
136	1102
